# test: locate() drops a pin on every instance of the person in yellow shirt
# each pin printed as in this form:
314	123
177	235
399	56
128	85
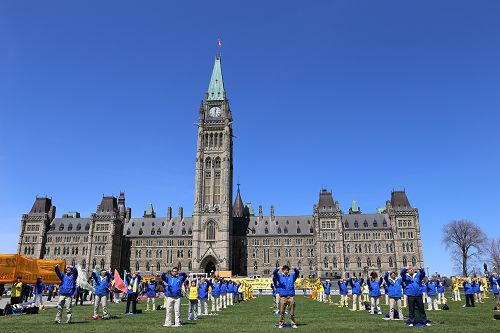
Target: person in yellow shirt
314	292
17	289
456	290
321	293
192	292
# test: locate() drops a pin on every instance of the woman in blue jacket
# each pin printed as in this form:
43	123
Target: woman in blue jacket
356	292
223	294
151	293
203	295
102	284
431	288
469	292
413	289
374	284
343	291
216	286
67	289
38	289
395	294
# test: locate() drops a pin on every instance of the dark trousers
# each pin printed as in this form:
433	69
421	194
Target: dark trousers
418	302
79	296
15	300
49	298
131	298
469	300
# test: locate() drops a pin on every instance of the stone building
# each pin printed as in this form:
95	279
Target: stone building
222	234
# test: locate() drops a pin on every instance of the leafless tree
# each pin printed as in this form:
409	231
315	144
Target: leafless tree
466	242
492	251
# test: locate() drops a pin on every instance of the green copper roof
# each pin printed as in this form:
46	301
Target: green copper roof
216	86
354	206
149	212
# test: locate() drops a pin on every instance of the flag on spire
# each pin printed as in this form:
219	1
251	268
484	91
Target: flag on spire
219	42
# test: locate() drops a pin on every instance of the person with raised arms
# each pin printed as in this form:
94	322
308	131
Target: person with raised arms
327	287
395	294
102	283
216	306
374	284
223	293
356	285
431	287
203	287
67	289
343	291
174	283
413	289
286	282
151	293
495	287
441	288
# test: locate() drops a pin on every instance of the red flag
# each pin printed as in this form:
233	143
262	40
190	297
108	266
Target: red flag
219	42
119	284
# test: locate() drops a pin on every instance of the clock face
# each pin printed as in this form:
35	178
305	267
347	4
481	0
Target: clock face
215	112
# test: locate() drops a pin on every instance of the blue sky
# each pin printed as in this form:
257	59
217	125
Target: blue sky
357	96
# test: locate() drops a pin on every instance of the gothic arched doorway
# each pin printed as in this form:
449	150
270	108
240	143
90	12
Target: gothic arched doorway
210	267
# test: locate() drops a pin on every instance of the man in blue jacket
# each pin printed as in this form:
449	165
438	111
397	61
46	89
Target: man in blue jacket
395	294
133	284
286	282
174	284
38	290
495	287
356	292
413	289
102	283
67	289
216	306
343	291
203	295
327	287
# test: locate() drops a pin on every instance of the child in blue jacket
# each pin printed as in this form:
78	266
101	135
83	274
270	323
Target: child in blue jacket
356	292
374	284
102	284
395	294
151	293
431	288
67	289
343	291
38	290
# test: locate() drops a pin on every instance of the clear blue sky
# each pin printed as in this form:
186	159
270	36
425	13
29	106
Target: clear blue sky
358	96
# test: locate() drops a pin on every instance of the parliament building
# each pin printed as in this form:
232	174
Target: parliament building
223	234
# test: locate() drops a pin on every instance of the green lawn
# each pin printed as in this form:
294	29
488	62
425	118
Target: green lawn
256	316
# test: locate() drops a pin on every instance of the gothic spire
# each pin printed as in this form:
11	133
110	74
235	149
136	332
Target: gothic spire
238	208
216	90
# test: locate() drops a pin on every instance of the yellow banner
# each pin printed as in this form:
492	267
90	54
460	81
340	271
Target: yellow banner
14	265
265	283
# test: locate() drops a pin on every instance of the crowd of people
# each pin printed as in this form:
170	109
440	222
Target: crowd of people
409	288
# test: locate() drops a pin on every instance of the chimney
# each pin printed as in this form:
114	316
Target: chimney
180	213
260	212
272	213
169	213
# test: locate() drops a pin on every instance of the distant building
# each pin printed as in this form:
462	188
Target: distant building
222	235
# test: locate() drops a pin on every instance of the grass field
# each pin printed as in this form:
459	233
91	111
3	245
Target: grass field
256	316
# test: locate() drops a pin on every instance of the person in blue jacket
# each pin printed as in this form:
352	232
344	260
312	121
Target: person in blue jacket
174	283
133	284
356	285
67	289
327	287
374	285
469	286
102	284
477	290
343	291
203	295
395	294
229	295
495	287
235	293
441	288
216	286
286	282
50	289
431	287
276	296
223	293
413	289
150	289
38	289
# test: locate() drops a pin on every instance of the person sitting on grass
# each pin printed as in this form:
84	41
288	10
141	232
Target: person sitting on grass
395	293
101	292
67	289
286	282
374	284
413	289
356	292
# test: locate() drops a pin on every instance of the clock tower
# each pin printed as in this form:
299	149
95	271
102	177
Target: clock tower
212	218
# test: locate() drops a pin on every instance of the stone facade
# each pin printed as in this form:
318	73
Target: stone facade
222	235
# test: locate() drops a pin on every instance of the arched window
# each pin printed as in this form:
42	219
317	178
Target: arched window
102	264
414	261
356	224
148	266
346	263
255	266
346	225
94	263
384	224
359	262
379	262
375	224
279	230
140	231
171	231
369	262
158	266
78	227
210	234
52	227
325	263
84	264
365	224
183	231
334	262
285	230
136	265
73	263
405	262
70	227
61	227
391	263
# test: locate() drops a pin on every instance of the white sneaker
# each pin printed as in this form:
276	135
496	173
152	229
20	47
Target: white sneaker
411	325
294	326
280	326
178	325
167	325
428	324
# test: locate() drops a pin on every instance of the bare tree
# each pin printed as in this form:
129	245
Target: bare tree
466	241
493	252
